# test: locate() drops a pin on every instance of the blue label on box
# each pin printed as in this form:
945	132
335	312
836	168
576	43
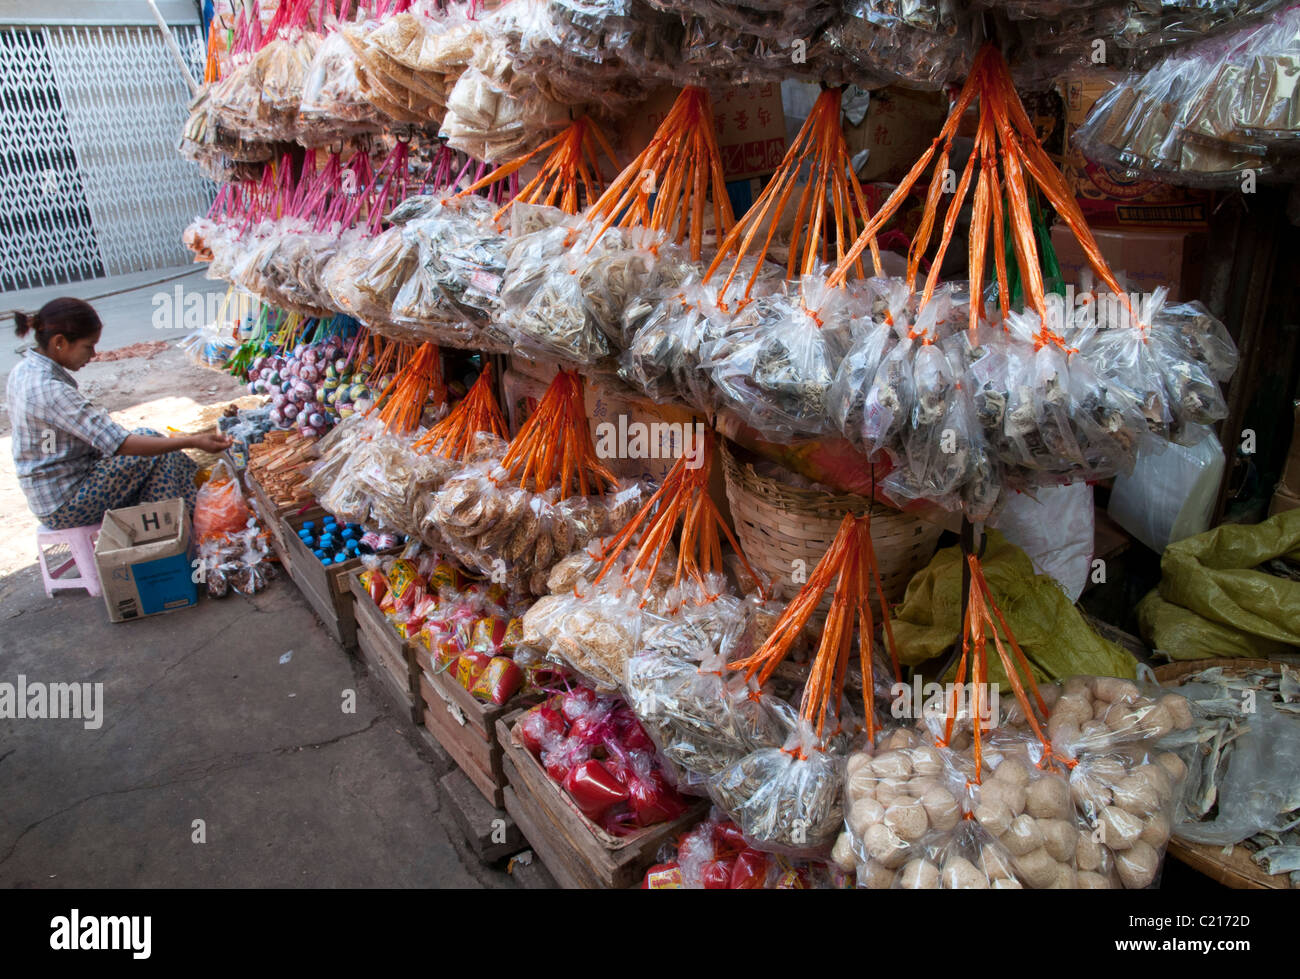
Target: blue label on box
164	584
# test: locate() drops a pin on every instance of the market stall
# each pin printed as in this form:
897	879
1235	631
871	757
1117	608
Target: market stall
619	421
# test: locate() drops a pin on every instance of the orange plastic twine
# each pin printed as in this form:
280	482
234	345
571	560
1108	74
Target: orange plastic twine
478	411
984	619
554	447
684	495
408	392
1007	154
683	169
571	167
821	141
852	560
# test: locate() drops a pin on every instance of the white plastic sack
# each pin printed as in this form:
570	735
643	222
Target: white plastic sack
1171	494
1056	530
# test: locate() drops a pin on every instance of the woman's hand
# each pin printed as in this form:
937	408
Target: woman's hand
156	445
209	442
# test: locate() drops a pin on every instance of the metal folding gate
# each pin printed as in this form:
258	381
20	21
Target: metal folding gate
90	180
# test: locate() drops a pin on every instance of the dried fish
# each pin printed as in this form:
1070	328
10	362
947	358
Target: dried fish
1279	859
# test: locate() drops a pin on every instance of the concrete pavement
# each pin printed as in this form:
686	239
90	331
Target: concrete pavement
202	721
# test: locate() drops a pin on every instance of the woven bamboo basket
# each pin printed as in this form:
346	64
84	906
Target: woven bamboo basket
779	525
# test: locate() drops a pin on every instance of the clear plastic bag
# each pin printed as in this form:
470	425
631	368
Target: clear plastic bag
777	358
785	800
701	719
1029	812
966	857
919	43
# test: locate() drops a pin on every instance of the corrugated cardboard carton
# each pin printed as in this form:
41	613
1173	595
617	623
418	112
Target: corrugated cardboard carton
143	557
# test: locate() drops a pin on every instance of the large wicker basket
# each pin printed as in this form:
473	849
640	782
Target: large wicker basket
779	525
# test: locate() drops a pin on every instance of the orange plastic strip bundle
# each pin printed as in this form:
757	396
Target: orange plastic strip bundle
478	411
821	141
569	177
682	167
554	447
683	496
408	392
984	619
850	561
1008	155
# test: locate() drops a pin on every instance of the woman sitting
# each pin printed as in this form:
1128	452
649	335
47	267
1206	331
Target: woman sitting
73	461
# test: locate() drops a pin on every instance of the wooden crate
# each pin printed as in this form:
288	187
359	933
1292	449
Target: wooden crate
464	726
1236	869
273	517
577	852
388	655
325	588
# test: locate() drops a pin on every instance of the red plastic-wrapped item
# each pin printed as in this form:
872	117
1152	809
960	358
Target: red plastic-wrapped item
594	789
468	667
663	877
219	507
498	682
540	727
488	634
375	584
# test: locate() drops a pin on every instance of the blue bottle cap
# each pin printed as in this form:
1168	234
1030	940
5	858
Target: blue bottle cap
319	553
308	524
340	557
325	560
330	519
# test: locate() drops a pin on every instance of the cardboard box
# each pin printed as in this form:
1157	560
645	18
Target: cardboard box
749	122
1290	482
143	557
1148	258
1283	501
1119	198
897	130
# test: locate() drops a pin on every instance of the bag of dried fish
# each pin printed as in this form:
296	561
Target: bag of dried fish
332	102
777	358
1241	785
531	255
701	720
944	455
786	799
1175	390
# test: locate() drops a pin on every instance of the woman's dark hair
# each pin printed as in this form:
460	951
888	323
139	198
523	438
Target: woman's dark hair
74	319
